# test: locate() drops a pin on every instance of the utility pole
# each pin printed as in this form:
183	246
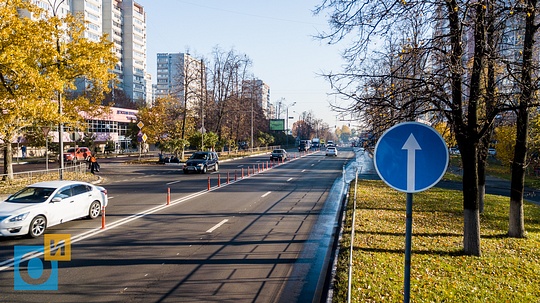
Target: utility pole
203	98
60	137
287	130
251	123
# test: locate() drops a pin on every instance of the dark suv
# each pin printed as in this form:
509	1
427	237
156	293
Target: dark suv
202	162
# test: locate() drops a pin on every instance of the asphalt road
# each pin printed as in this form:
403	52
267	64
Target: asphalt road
255	239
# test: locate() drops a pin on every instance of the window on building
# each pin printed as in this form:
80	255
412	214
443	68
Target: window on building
96	126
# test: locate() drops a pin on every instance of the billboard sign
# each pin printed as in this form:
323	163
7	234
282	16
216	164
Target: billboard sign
277	124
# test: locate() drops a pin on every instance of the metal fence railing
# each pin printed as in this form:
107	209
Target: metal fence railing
19	179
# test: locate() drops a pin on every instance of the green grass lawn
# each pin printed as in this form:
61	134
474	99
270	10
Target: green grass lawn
495	169
508	271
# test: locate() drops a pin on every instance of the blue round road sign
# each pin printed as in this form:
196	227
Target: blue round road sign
411	157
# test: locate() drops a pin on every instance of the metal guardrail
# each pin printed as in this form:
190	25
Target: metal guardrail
351	249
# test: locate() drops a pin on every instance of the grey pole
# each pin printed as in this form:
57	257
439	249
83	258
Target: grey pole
408	237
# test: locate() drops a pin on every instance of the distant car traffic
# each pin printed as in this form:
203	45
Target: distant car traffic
39	206
331	151
202	162
278	154
454	151
304	145
77	154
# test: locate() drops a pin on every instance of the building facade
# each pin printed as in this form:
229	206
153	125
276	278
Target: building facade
124	23
260	92
113	126
181	76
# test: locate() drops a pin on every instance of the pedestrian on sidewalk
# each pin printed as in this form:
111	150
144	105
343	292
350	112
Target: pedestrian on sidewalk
94	165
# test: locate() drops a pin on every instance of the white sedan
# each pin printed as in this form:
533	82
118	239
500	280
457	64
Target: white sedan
331	151
41	205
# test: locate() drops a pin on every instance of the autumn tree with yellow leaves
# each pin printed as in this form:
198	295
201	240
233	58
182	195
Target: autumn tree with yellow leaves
41	59
164	124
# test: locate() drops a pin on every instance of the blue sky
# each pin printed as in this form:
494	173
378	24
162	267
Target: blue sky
276	34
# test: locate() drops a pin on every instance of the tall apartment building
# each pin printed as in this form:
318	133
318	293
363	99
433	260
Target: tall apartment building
260	92
149	90
182	76
124	21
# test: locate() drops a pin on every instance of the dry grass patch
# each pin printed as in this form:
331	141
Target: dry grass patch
11	186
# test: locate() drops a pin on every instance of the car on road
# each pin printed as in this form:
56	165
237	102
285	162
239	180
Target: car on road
33	209
77	154
202	162
303	147
278	154
331	151
453	151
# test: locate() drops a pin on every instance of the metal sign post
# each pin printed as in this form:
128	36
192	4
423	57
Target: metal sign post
140	137
408	246
410	157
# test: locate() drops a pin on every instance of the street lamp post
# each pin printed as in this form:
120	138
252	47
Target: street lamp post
18	142
287	131
46	130
60	138
251	125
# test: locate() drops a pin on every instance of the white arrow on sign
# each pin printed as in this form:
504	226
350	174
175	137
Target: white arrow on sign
411	145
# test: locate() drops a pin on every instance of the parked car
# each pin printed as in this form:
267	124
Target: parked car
331	151
39	206
77	154
278	154
202	162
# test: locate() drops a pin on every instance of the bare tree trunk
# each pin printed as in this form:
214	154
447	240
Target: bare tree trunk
8	162
470	140
481	183
482	163
471	214
516	227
